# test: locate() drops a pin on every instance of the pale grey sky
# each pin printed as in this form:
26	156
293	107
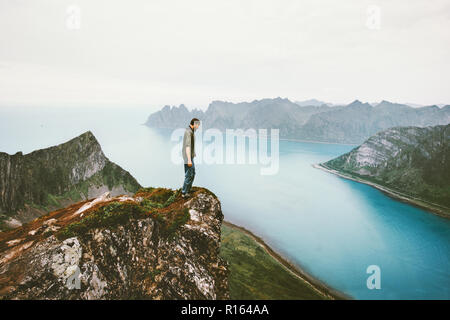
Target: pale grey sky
157	52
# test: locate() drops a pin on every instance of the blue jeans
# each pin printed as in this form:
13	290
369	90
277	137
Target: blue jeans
189	174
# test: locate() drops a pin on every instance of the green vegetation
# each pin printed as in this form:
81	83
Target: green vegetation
3	218
160	199
178	219
52	200
145	189
45	176
410	182
112	214
204	190
110	175
155	204
153	273
254	274
113	175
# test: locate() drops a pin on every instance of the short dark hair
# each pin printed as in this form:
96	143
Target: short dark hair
193	120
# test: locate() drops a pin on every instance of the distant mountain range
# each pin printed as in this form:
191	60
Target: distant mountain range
312	102
352	123
412	162
55	177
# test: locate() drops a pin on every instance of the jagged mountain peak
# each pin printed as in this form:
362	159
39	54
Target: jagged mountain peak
50	178
87	135
357	102
350	123
384	103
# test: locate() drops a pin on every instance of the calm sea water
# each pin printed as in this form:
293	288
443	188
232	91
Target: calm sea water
332	227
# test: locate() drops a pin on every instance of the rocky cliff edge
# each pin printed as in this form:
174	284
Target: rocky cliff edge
152	245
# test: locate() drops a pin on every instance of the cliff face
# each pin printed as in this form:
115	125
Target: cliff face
412	160
152	245
52	178
352	123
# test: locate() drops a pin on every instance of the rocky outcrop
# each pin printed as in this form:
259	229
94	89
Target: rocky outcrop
411	160
55	177
175	117
352	123
152	245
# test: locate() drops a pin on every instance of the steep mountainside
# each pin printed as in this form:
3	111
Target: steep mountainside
152	245
411	160
52	178
353	123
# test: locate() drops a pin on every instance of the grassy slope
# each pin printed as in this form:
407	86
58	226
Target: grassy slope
254	274
111	175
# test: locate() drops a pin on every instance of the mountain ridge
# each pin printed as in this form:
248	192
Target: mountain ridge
45	179
349	124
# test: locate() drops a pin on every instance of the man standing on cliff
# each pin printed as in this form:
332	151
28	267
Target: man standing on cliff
188	152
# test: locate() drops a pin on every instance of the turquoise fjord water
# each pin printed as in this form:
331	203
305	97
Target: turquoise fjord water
332	227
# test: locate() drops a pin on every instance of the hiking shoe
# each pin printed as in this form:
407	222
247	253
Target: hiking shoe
185	195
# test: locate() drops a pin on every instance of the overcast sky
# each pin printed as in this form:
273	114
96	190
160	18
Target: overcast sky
158	52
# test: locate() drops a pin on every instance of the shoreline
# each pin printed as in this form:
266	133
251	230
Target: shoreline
422	204
295	270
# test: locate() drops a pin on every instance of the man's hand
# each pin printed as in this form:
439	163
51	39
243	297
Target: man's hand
188	154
